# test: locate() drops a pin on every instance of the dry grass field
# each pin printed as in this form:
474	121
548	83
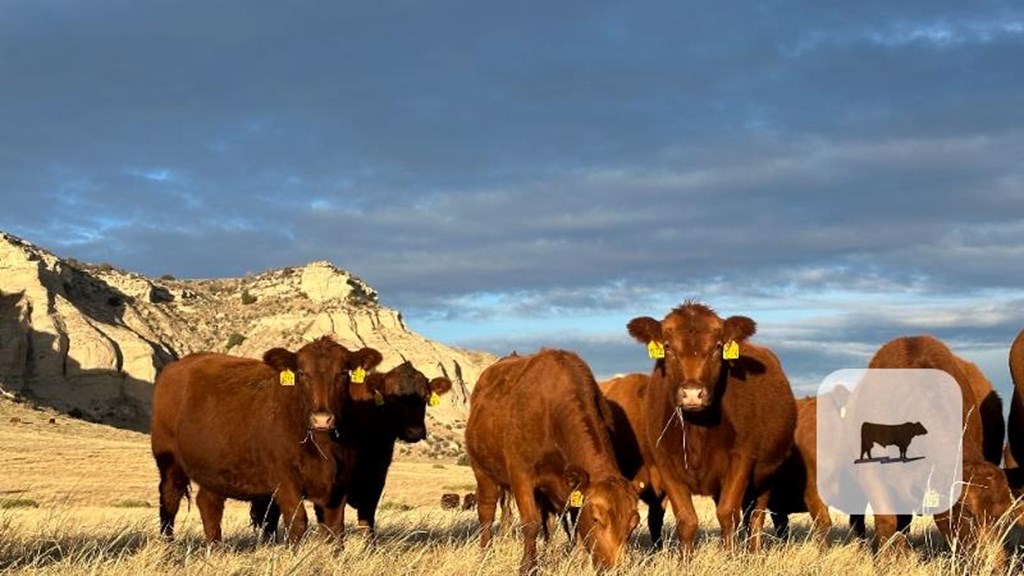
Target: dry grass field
79	498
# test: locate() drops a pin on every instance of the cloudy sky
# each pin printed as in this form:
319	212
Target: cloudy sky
518	174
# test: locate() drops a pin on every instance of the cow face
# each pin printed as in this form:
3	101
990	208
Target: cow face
607	517
405	392
694	340
986	495
321	374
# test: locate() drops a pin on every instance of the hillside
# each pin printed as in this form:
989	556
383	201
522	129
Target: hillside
90	339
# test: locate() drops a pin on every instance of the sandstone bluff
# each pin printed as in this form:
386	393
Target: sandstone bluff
89	339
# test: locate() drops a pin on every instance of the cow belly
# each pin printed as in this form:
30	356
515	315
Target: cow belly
229	474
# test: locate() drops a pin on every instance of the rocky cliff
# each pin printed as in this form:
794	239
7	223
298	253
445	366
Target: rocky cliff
90	339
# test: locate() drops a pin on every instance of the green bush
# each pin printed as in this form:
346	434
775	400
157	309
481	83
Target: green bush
6	503
168	277
248	297
131	503
235	339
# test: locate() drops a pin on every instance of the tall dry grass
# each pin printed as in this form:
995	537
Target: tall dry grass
80	499
423	541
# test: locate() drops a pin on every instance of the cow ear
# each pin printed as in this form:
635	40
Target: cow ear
645	329
738	329
365	358
280	359
440	385
576	477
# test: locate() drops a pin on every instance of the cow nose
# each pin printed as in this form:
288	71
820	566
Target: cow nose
321	421
415	434
690	397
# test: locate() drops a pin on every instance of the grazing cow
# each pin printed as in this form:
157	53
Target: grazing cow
1015	431
538	427
986	495
625	396
898	435
242	428
719	420
796	487
385	408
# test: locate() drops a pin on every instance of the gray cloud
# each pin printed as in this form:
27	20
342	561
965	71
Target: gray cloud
531	161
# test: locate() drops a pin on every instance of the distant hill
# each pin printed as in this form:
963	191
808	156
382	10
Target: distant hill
90	339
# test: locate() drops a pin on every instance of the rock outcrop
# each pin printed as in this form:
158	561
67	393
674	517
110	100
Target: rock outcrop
91	339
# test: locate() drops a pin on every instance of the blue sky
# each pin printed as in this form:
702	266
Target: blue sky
512	175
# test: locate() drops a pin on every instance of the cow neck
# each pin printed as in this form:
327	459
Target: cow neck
583	438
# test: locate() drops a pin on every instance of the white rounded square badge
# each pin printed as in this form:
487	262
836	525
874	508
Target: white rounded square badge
890	439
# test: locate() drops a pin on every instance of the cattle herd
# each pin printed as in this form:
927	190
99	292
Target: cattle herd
715	417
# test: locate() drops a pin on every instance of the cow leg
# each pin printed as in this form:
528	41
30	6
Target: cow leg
211	511
730	504
656	521
756	524
529	522
264	515
332	525
366	511
818	510
294	513
487	494
781	522
173	486
858	522
686	516
887	533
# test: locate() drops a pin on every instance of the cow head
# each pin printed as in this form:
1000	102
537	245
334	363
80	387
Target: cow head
918	429
404	393
986	496
320	372
694	339
607	515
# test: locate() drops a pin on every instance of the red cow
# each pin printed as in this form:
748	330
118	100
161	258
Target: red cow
719	419
242	428
538	427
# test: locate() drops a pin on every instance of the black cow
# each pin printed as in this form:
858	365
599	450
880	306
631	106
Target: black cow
899	435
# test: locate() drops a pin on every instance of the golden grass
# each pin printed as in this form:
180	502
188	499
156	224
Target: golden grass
91	482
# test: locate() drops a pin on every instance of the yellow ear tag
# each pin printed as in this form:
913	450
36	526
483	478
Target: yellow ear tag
576	499
656	350
434	400
358	375
378	398
287	377
731	350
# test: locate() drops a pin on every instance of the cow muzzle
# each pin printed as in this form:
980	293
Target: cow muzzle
692	397
321	421
414	434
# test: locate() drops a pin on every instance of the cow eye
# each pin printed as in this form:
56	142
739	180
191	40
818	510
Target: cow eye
300	373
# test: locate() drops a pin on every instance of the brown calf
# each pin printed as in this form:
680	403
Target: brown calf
538	428
986	495
719	419
626	396
796	487
241	428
